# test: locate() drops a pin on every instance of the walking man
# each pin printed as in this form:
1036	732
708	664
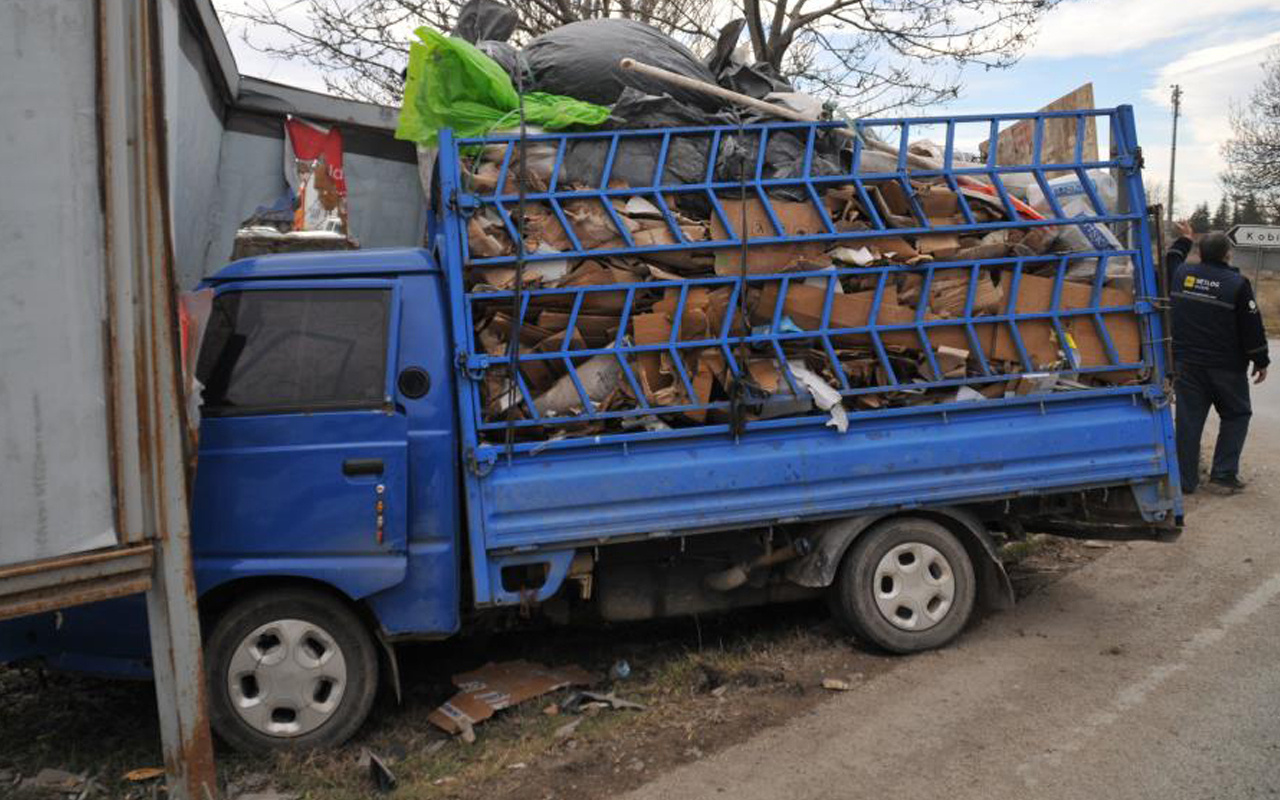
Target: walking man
1217	332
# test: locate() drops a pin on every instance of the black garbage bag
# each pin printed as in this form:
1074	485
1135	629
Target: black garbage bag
726	42
753	80
581	60
510	58
783	158
637	158
485	20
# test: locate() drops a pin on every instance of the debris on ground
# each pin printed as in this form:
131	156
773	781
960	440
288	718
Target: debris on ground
267	794
55	780
494	687
144	774
248	785
379	773
567	730
583	701
836	684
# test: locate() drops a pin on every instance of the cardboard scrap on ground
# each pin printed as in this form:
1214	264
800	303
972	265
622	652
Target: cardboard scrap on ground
494	687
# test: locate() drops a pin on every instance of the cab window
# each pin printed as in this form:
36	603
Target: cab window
291	350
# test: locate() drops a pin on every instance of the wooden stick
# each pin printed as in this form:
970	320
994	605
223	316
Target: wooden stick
715	91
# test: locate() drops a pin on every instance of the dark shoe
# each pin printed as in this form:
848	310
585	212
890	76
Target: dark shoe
1186	491
1229	484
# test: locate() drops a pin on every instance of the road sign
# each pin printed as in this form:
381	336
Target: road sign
1255	236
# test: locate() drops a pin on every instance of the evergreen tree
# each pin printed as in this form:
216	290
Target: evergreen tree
1222	217
1200	218
1250	211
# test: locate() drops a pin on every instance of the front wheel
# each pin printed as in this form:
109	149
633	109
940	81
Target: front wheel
906	585
290	670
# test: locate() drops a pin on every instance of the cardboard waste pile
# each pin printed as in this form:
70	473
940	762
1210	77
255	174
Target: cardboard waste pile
844	272
630	296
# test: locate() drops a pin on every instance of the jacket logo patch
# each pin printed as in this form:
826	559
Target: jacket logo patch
1201	284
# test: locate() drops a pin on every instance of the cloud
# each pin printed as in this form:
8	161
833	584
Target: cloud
1211	78
1108	27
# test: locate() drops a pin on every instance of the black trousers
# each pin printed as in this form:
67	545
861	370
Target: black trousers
1227	392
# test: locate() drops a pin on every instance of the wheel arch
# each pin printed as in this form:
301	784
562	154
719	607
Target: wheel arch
831	539
215	602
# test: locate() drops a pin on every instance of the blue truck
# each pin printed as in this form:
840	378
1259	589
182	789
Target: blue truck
404	444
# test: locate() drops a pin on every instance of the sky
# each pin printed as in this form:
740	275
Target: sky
1131	50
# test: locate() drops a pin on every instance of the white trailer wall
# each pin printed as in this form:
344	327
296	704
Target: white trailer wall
225	149
55	481
197	108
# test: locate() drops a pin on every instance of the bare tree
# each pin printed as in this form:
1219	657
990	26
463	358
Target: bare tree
868	55
360	47
877	55
1253	152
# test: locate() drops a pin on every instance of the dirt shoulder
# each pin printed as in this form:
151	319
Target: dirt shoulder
706	684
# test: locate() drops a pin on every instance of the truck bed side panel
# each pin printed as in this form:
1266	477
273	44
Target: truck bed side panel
591	495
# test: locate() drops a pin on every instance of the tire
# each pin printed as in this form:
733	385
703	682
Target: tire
906	585
294	669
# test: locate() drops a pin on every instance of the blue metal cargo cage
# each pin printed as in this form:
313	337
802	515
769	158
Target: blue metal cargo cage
680	329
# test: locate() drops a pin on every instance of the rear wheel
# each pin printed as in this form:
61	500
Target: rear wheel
290	670
906	585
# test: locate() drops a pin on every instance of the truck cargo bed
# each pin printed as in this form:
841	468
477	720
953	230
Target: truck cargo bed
679	373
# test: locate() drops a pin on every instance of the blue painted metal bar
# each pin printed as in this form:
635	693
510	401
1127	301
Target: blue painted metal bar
850	237
781	334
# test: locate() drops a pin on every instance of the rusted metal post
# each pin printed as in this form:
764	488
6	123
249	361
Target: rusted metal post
147	399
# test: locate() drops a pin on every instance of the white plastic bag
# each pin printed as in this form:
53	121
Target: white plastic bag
1072	196
1087	235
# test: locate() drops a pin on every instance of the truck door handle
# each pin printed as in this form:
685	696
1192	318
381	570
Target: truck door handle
362	466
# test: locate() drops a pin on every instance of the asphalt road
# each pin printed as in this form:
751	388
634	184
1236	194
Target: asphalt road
1153	672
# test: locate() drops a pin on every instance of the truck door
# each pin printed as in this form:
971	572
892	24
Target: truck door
303	452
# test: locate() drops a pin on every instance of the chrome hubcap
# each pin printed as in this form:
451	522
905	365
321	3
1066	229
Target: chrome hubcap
287	678
914	586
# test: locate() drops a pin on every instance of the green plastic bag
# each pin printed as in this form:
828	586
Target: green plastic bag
451	84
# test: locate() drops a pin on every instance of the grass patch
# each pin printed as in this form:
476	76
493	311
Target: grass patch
1014	552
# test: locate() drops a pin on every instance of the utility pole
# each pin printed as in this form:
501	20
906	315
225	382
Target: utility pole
1173	152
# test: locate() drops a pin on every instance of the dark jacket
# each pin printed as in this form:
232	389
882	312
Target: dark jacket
1216	322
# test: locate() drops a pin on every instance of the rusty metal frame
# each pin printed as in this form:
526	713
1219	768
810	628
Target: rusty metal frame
147	410
49	584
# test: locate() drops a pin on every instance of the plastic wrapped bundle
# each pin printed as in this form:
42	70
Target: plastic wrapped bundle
581	60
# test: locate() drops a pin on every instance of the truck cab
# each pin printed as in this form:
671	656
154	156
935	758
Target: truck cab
327	486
